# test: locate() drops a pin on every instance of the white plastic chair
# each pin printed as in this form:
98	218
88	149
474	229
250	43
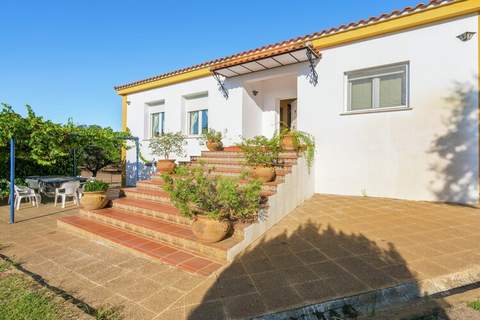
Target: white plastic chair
68	189
28	194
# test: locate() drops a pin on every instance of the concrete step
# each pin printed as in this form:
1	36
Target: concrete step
157	210
145	194
157	184
235	154
172	234
140	246
235	161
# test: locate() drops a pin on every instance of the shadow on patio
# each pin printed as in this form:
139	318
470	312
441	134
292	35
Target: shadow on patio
312	264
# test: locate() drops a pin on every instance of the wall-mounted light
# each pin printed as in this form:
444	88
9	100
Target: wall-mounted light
466	36
255	92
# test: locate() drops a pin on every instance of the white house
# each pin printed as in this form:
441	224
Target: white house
392	102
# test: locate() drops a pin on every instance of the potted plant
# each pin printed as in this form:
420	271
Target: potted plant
213	140
94	195
164	146
212	202
295	140
262	154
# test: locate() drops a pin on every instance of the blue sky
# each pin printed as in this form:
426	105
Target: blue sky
64	57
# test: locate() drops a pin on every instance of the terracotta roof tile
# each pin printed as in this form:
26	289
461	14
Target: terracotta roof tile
294	42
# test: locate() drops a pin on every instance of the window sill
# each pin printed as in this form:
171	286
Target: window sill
375	110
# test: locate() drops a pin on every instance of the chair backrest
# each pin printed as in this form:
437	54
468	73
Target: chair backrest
70	187
22	190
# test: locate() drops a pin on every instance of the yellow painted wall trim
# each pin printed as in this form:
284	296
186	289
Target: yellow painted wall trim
195	74
435	14
444	12
123	156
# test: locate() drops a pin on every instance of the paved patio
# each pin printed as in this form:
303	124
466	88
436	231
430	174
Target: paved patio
329	247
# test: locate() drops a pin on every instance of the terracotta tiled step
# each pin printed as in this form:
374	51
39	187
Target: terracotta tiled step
145	194
139	245
154	209
239	171
228	154
156	184
173	234
235	160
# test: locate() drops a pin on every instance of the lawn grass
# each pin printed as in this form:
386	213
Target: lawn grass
475	305
19	300
23	299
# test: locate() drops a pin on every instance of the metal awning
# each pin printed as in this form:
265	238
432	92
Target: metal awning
268	60
237	68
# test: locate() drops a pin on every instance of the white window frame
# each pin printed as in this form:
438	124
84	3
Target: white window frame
200	111
198	101
161	123
348	78
152	108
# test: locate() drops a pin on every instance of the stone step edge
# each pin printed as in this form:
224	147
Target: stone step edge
176	241
93	236
238	226
158	214
156	184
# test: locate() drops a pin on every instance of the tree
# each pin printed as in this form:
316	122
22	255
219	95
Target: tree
45	148
99	147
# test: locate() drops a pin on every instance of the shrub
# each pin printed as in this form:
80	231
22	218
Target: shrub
95	186
304	142
212	136
261	151
194	191
168	144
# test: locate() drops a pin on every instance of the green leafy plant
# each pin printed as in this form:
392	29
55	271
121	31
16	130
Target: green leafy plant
194	191
303	142
43	147
261	151
95	186
212	136
475	305
168	144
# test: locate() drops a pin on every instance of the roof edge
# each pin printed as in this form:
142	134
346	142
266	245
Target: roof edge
422	14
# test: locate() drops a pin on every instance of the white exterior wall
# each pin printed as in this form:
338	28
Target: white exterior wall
427	153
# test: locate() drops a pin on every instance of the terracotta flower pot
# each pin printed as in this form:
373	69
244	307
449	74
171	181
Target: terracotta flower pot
165	166
264	174
94	200
214	146
288	143
208	230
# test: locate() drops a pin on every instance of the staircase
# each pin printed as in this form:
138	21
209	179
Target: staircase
147	224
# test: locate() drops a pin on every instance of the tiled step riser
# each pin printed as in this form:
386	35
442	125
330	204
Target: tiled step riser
186	244
278	180
146	196
223	154
235	161
158	182
152	213
236	168
158	187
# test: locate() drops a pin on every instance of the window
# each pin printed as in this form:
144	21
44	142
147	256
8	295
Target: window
378	88
157	124
198	122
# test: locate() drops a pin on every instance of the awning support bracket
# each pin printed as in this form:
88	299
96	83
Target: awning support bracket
312	60
221	85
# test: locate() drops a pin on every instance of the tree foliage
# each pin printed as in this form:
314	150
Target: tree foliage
43	147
